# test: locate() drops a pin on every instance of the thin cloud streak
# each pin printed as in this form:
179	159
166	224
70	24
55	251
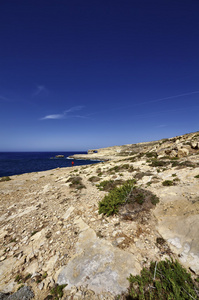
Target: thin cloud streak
39	90
170	97
66	114
53	117
146	102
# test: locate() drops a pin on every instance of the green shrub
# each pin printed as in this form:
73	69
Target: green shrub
167	183
28	276
151	154
125	167
127	193
154	199
197	176
57	291
158	163
116	197
165	280
183	164
108	185
18	278
76	182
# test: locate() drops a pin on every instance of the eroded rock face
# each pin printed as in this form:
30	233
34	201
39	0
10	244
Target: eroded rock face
178	223
183	152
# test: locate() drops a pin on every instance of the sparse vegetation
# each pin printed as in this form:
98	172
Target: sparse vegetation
57	291
154	199
167	183
45	274
124	167
76	183
151	154
158	163
21	286
18	278
28	276
160	241
164	280
94	179
183	164
197	176
5	178
108	185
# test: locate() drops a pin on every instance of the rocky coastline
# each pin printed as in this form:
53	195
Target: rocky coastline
54	239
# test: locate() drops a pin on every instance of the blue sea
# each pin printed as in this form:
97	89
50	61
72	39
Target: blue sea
15	163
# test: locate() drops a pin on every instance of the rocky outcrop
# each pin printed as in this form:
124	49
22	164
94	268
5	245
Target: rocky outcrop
174	147
195	144
24	293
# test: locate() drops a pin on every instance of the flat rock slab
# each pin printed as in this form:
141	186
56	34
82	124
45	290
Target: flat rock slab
98	265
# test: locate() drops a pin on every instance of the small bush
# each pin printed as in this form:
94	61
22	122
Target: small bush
116	197
158	163
154	199
167	183
5	178
165	280
197	176
76	182
151	154
94	179
160	241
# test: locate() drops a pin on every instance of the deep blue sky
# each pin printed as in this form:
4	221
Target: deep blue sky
86	74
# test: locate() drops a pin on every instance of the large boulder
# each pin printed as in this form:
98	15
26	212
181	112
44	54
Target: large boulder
183	152
195	145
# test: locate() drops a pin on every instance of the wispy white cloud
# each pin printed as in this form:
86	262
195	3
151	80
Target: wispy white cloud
53	117
74	108
40	89
66	114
